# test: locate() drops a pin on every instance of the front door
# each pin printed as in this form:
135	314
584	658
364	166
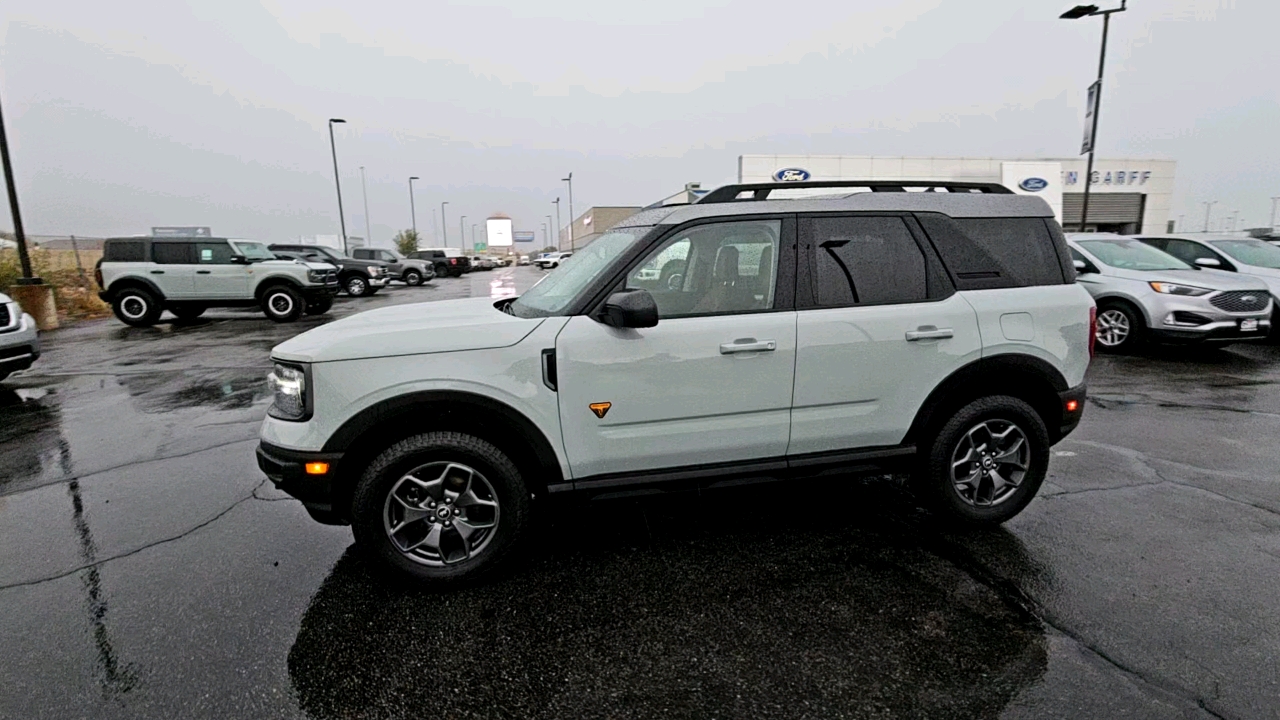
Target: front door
878	329
217	278
711	383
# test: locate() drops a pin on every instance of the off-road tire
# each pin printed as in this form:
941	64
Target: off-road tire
282	303
136	307
370	501
933	481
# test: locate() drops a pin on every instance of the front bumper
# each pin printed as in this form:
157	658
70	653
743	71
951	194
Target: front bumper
1167	317
287	469
1219	331
380	281
20	347
319	292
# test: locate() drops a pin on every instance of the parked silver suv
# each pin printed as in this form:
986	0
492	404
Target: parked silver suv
1232	253
1144	293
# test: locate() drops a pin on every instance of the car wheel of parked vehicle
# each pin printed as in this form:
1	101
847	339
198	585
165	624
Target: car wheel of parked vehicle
1119	327
412	278
987	462
136	307
187	312
356	286
282	303
441	507
320	307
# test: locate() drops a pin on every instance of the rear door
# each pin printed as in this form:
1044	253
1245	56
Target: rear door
174	271
711	383
216	277
879	327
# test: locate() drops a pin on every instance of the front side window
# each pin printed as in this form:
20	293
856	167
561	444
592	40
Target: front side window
865	261
556	291
712	269
1188	252
1129	254
1251	252
214	253
254	251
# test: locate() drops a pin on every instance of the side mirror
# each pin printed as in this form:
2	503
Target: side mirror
240	259
630	309
1208	262
1079	265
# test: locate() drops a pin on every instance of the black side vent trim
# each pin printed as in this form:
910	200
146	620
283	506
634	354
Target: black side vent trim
549	368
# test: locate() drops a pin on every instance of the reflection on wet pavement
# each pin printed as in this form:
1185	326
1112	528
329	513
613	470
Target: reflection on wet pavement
503	284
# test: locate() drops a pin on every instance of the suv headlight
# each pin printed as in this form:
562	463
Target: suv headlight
374	271
289	398
1169	288
317	276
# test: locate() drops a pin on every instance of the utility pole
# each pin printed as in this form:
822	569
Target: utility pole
413	214
444	229
462	234
558	226
1208	205
1075	13
435	237
546	234
1274	200
570	181
473	234
342	221
365	189
1234	214
28	277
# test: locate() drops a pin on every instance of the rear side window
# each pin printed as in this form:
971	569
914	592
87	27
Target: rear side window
1022	245
124	251
864	261
171	253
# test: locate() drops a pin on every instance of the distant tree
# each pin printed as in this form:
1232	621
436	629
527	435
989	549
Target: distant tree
406	241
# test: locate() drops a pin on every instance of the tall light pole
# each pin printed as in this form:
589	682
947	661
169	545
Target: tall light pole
1208	205
1076	13
548	237
342	221
473	234
413	214
1274	200
444	229
434	237
558	226
365	190
570	181
28	277
1234	214
462	233
546	233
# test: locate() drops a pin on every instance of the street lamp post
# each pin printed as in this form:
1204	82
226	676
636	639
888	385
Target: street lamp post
462	234
444	228
28	277
546	233
1274	200
548	237
1234	214
1208	205
1075	13
413	214
558	226
364	189
342	221
473	234
570	181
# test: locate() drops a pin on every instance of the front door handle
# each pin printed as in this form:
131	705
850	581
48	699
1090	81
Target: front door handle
744	345
157	272
203	272
929	332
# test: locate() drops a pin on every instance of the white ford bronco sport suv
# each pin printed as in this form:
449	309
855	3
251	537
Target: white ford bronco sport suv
142	277
935	333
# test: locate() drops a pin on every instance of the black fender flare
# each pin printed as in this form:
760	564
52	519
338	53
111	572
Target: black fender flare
125	283
272	281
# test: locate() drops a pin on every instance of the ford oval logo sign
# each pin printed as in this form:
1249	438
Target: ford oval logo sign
1034	184
792	175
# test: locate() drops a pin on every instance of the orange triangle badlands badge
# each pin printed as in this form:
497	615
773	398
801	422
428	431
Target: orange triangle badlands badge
600	408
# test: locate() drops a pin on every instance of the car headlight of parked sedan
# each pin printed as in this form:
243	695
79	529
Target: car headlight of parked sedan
1169	288
289	396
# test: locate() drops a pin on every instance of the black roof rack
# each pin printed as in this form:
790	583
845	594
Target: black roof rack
760	191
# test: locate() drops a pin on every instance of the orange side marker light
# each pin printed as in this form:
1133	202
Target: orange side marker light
1072	405
317	468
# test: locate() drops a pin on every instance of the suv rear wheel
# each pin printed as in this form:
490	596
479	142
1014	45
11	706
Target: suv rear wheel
136	307
441	508
412	278
282	303
987	462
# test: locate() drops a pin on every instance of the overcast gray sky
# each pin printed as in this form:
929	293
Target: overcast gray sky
124	115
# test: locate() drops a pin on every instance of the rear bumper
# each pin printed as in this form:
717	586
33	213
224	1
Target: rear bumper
287	469
1070	418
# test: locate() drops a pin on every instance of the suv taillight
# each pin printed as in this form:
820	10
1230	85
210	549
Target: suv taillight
1093	329
453	261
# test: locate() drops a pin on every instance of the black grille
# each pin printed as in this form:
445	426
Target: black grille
5	319
1240	301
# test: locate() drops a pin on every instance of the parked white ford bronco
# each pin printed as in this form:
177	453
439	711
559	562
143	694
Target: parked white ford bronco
141	277
937	333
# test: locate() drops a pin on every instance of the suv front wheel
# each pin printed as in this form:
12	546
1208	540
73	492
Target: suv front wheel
412	278
282	303
136	307
441	508
987	461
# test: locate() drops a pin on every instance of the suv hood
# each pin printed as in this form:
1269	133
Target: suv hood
435	327
305	263
1211	279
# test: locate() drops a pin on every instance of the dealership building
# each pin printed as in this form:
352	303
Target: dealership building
1128	195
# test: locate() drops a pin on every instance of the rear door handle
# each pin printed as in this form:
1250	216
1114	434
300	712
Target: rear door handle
744	345
929	332
203	272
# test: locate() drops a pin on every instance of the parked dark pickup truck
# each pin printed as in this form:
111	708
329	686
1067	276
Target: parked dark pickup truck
360	278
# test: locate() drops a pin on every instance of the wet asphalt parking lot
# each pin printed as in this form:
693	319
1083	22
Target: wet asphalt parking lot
148	570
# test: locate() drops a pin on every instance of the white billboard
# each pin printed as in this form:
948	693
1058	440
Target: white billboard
498	231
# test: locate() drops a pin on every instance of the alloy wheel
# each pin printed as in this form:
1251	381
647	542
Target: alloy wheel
133	307
1113	327
989	462
441	513
356	286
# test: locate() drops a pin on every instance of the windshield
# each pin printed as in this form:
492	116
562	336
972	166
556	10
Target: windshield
395	254
554	292
1132	255
1251	252
326	251
253	250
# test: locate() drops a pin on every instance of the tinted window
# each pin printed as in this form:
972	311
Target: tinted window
124	251
1251	252
213	253
712	269
1130	254
1022	245
1188	251
171	253
864	261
